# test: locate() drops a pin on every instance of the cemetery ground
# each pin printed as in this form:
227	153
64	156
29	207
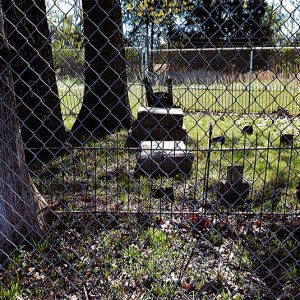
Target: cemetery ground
113	237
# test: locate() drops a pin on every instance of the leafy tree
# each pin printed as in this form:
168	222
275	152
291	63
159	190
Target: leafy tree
214	23
66	34
155	17
66	29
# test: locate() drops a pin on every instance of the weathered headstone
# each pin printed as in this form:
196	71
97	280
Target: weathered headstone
235	174
166	158
166	117
287	139
159	99
140	133
234	191
161	124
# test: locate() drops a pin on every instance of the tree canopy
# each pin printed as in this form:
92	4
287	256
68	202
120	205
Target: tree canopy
204	23
159	15
219	23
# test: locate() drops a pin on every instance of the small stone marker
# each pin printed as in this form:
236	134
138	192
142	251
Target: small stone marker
248	129
286	139
218	139
234	174
167	193
166	158
234	191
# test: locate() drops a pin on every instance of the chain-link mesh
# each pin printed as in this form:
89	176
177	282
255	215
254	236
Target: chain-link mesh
149	149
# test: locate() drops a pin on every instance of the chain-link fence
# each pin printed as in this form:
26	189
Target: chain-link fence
149	149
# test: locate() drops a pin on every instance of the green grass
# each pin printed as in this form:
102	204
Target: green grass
70	93
232	99
12	291
105	177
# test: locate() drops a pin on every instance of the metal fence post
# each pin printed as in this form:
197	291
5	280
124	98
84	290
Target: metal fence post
250	78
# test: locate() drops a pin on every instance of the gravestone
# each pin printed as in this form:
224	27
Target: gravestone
140	133
167	117
234	191
287	139
157	124
166	158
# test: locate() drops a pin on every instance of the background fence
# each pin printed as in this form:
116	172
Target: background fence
261	80
149	189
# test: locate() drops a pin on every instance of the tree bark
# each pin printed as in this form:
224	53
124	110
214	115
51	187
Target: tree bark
20	204
105	104
38	105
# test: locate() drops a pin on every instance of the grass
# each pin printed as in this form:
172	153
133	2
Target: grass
198	98
264	169
157	258
270	169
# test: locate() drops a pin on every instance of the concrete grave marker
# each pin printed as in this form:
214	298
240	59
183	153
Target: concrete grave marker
166	117
234	191
166	158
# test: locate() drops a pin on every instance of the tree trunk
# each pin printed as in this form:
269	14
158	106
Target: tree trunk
20	204
38	105
105	104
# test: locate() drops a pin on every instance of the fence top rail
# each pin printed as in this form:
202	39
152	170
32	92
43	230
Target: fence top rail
226	49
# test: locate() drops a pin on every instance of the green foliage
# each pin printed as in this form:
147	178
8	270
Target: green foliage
42	246
292	273
66	29
233	22
12	291
159	15
214	237
157	238
67	35
66	32
157	11
288	62
68	62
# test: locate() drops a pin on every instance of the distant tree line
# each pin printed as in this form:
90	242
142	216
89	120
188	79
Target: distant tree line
183	24
227	23
198	24
204	23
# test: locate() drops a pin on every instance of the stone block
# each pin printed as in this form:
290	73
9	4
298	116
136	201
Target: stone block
166	158
233	195
234	191
158	133
149	117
